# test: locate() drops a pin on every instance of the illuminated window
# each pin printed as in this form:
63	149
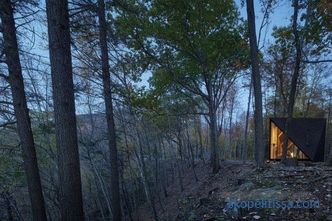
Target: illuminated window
276	143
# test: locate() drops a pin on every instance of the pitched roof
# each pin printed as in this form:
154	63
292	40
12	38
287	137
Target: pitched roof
308	134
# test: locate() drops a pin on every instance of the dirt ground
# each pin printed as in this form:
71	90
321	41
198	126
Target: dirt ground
209	198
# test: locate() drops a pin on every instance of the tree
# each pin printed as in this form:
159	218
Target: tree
193	48
317	31
295	76
116	205
295	59
71	204
21	110
256	79
245	142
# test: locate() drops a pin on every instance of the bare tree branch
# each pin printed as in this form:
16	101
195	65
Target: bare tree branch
7	124
316	61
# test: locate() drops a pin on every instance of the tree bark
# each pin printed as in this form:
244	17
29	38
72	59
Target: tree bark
198	128
21	110
230	138
258	113
291	100
115	186
71	203
245	145
213	139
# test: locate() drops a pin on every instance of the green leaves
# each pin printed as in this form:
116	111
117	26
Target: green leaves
194	49
318	18
195	35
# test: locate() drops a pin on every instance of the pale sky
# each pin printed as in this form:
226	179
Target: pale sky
281	16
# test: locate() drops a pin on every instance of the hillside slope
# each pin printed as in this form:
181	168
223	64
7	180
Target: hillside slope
207	198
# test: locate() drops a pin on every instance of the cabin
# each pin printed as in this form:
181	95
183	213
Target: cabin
306	138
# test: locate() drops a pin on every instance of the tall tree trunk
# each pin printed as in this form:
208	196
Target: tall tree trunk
142	166
328	148
296	73
258	113
221	127
143	171
99	182
115	186
245	145
198	128
213	138
71	203
24	130
230	138
191	153
179	163
275	103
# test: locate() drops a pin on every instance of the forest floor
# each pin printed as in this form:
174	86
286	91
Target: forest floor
208	198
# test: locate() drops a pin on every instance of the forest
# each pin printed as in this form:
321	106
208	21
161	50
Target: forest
164	110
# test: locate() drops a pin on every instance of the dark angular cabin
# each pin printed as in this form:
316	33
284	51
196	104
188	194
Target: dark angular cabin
306	138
